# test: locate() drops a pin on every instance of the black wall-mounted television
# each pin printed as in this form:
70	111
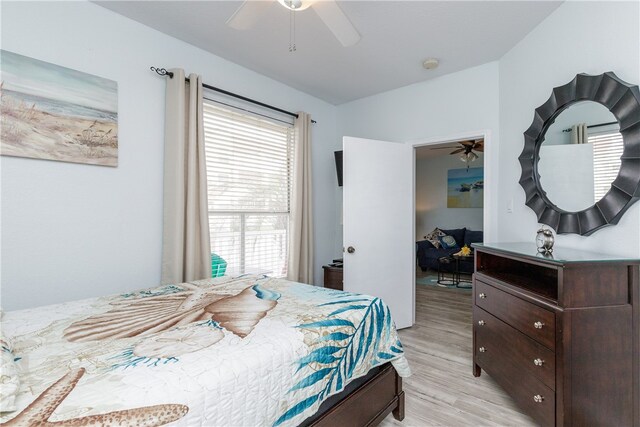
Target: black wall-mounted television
338	156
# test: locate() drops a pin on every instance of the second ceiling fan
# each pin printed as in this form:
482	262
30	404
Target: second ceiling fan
466	150
250	11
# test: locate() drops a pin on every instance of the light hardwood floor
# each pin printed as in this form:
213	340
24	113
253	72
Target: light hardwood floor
442	390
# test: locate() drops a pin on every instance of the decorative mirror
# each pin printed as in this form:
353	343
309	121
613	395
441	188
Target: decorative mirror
581	157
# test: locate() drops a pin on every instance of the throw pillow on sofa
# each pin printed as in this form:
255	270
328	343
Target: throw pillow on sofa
448	242
434	237
456	233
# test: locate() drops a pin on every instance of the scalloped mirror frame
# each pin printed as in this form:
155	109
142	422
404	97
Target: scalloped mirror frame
623	100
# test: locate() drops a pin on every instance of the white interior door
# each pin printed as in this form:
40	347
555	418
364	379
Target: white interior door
378	193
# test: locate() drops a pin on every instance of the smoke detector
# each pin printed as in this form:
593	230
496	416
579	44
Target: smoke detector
430	63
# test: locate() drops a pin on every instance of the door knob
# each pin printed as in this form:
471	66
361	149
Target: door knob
351	249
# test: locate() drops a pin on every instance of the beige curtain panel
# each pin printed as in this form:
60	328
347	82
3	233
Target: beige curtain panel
300	266
579	134
186	251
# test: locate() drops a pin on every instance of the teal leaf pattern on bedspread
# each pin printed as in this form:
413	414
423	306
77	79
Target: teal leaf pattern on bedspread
358	334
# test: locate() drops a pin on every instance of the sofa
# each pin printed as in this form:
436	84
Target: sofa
427	254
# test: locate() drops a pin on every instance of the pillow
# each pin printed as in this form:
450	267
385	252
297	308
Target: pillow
9	378
448	242
434	237
456	233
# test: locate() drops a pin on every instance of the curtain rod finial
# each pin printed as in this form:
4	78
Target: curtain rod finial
162	72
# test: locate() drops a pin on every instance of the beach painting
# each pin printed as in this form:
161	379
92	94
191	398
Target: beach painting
465	188
56	113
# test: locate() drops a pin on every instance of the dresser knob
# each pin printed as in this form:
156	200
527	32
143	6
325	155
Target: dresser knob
482	296
482	350
538	325
538	399
538	362
481	322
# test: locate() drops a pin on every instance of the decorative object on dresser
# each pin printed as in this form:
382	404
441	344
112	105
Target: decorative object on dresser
545	240
610	197
333	276
560	334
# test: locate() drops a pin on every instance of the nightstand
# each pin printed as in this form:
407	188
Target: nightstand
333	277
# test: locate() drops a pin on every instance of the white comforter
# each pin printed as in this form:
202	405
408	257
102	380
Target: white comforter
244	351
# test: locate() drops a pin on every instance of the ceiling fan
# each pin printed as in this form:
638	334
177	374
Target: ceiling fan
329	12
466	150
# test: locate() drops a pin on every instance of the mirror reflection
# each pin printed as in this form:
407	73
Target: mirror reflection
580	156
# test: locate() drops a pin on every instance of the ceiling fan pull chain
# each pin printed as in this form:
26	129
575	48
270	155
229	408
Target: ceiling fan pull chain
292	31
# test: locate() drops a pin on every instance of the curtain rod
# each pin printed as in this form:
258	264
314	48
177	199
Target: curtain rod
164	72
593	126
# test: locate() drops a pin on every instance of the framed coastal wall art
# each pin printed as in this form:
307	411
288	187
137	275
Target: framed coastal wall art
55	113
465	188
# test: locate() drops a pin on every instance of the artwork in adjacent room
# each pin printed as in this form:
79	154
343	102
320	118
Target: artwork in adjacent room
465	188
56	113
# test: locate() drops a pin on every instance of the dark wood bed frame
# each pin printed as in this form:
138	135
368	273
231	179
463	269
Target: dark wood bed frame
364	402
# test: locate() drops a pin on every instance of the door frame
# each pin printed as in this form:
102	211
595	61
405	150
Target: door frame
490	182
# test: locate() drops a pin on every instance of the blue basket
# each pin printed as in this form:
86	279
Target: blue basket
218	266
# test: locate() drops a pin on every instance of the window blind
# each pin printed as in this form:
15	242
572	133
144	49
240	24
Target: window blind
607	150
249	172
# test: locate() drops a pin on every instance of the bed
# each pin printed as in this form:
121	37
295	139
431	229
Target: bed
243	351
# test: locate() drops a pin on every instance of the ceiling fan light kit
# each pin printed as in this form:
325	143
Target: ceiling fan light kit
329	12
295	5
466	150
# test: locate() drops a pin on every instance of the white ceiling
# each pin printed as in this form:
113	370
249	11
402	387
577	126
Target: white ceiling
396	37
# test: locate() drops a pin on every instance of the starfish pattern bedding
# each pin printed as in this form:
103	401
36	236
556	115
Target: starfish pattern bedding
243	351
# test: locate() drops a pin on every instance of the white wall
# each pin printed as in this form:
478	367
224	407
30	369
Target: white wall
454	104
71	231
579	37
431	197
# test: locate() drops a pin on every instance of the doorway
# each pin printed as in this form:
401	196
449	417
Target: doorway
380	218
450	207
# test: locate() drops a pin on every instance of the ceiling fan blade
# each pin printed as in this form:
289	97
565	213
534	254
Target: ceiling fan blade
459	150
248	14
467	143
334	18
480	148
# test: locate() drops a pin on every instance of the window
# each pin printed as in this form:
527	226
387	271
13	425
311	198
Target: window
249	172
607	150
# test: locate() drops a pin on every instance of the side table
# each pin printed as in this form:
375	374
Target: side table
458	260
454	272
333	277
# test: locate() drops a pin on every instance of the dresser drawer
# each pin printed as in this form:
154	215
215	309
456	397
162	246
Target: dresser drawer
534	398
501	340
532	320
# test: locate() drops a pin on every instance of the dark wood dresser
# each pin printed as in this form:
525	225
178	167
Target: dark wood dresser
560	334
